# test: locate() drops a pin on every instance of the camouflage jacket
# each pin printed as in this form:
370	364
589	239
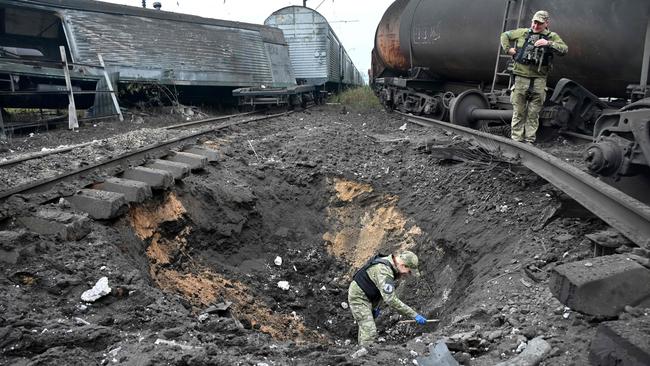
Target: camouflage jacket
382	276
518	36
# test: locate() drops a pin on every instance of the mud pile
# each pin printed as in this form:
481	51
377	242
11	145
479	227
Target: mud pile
248	263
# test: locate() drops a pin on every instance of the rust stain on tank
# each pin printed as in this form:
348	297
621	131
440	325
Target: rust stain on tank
387	37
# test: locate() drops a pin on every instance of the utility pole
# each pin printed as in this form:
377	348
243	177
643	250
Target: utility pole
304	3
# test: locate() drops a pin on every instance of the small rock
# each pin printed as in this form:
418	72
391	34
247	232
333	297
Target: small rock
530	332
641	252
344	305
359	353
278	261
494	335
563	238
284	285
463	358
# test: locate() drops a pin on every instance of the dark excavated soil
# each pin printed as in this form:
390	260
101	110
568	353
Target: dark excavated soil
323	190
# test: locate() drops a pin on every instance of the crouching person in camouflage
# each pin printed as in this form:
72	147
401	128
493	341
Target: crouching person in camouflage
374	282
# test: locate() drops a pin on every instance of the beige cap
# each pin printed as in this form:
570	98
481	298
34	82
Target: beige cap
410	260
541	16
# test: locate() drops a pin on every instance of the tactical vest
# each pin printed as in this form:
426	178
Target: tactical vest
363	279
528	54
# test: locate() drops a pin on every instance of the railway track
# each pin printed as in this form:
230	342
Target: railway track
626	214
45	190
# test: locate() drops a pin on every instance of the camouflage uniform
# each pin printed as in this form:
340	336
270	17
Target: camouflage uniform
382	276
530	83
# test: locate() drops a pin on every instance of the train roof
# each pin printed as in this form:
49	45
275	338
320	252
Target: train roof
148	44
292	9
101	7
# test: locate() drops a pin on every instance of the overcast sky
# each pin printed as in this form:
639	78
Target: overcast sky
353	21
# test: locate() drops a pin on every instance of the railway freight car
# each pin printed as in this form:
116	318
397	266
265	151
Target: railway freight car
442	58
203	59
320	62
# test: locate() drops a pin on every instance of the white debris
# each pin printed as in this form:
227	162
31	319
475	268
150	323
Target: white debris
403	127
589	264
278	261
80	321
283	285
413	353
100	290
521	347
114	352
360	353
203	317
176	344
344	305
415	362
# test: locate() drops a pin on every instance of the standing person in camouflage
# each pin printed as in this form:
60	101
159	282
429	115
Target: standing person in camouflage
374	282
533	54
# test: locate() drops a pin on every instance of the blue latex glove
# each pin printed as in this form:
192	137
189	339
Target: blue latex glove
420	319
375	313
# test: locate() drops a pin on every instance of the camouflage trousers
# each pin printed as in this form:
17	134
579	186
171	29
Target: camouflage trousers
526	101
362	312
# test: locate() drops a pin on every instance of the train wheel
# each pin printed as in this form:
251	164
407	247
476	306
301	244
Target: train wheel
460	110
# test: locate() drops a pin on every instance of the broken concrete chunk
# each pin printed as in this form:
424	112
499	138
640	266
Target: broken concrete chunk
439	355
219	308
536	350
100	290
11	243
283	285
61	224
624	342
604	287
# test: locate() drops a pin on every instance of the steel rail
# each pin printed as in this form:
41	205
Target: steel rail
69	148
122	162
626	214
